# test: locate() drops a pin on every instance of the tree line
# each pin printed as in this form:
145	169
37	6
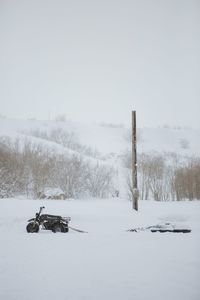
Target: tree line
165	177
28	168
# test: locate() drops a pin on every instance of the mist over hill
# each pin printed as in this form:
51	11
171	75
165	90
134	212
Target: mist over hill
94	159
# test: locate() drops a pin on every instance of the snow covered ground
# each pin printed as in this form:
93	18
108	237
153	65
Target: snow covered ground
107	262
108	139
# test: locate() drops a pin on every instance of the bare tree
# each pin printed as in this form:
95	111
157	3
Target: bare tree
99	181
184	143
187	180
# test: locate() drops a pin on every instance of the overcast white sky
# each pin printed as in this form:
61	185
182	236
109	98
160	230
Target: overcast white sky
98	60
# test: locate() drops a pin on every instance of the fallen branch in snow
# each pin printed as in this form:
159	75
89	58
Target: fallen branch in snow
78	230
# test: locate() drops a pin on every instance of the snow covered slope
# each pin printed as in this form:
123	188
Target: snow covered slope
111	139
181	141
108	262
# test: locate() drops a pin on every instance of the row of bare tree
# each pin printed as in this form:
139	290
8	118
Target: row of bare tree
165	177
28	168
66	138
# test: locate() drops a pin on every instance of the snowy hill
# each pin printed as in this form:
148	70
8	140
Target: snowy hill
94	159
178	140
111	138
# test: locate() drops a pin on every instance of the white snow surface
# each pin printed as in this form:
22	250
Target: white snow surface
107	262
109	139
48	192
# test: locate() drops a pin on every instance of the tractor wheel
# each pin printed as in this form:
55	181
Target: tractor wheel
57	227
65	228
32	227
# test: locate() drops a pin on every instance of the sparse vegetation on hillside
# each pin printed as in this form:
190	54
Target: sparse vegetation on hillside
68	139
30	168
165	177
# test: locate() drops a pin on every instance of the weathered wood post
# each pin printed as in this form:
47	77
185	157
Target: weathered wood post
135	192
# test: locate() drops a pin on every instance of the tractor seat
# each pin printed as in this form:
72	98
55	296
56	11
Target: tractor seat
51	216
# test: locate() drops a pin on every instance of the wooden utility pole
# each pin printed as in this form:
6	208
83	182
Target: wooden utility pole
135	193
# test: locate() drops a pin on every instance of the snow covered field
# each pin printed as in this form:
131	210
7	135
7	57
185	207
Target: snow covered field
107	139
105	263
